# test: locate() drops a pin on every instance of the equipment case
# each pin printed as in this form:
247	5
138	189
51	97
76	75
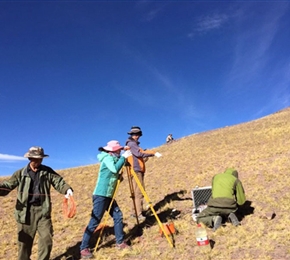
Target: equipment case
200	197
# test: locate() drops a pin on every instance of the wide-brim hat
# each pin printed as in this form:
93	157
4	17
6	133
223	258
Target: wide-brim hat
135	130
113	146
35	152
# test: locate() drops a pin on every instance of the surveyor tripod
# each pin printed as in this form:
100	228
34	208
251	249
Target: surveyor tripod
129	174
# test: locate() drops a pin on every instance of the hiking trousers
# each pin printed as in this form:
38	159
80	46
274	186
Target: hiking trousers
26	233
137	193
207	215
100	205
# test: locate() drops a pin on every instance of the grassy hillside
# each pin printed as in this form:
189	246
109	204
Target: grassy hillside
259	150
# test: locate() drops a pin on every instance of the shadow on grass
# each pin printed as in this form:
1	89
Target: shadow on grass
151	220
137	230
245	210
73	253
170	197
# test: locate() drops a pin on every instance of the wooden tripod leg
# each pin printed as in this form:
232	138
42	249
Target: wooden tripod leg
132	192
152	208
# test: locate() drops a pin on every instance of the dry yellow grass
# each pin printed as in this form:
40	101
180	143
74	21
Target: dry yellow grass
259	150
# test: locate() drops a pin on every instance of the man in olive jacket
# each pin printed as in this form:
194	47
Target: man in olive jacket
227	194
33	205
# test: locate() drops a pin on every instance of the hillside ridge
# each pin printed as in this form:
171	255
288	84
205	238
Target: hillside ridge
258	149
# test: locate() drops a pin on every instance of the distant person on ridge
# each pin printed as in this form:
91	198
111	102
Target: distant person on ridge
33	207
137	165
169	139
227	194
111	164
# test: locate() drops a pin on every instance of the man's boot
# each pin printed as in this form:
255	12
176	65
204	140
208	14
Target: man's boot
217	222
233	218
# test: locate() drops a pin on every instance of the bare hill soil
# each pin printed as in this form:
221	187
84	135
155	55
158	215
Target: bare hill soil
259	150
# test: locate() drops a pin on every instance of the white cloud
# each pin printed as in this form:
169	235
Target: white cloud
176	95
10	158
252	51
152	14
149	9
208	23
211	22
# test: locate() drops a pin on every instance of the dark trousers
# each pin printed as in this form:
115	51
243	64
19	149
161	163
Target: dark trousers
100	205
26	233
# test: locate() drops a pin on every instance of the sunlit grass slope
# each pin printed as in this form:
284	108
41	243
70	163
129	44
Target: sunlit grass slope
259	150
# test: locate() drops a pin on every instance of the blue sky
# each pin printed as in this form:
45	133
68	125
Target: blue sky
77	74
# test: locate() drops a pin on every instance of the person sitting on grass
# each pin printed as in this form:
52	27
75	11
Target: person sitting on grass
169	139
227	194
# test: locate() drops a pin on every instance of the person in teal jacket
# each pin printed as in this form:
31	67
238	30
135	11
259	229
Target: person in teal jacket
227	194
111	163
33	205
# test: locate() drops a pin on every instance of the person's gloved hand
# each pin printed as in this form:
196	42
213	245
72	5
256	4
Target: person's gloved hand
158	154
69	192
126	154
126	148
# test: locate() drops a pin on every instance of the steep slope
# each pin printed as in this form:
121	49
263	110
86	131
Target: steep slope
259	150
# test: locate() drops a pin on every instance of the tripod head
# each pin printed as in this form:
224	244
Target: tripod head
127	163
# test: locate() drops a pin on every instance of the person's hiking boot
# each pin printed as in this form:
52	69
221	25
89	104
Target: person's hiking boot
86	254
140	217
233	218
147	211
122	246
217	222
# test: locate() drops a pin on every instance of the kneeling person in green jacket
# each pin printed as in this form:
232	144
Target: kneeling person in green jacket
227	194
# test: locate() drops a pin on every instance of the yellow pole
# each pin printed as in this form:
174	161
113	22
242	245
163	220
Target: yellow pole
151	207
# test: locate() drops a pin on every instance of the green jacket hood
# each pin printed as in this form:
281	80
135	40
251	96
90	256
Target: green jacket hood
232	171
